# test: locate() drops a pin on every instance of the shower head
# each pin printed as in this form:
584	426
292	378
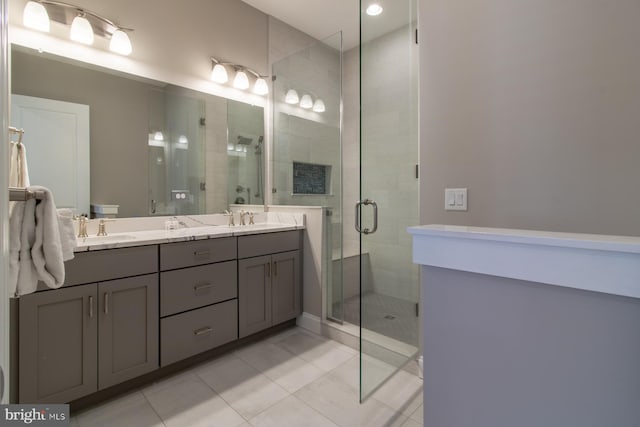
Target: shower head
243	140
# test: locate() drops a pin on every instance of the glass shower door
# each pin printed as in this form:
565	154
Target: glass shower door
389	193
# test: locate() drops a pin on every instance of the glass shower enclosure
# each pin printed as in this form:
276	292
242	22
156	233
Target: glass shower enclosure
389	192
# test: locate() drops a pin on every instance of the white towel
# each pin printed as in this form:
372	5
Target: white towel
67	233
46	251
35	248
18	169
23	278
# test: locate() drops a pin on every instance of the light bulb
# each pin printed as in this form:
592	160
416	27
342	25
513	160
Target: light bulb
318	106
219	74
81	30
306	102
35	16
120	43
374	9
241	81
291	97
261	87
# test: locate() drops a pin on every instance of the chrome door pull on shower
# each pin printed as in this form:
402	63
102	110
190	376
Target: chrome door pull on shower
366	202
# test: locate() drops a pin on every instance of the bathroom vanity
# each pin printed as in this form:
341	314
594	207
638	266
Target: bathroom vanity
126	311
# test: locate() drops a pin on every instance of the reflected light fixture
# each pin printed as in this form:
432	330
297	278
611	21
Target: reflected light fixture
241	81
158	136
306	101
120	43
81	30
291	97
183	139
374	9
35	16
318	106
85	25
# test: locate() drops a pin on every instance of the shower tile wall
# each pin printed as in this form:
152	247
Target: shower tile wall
216	154
390	157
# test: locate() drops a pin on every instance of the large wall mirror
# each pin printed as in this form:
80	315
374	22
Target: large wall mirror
155	148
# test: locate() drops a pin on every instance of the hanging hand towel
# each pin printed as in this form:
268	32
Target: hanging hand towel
23	278
67	233
47	251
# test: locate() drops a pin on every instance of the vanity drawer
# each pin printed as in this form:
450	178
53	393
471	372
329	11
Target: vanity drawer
190	333
197	252
98	266
268	243
194	287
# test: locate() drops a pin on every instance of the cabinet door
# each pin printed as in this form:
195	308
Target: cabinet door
128	329
58	345
285	286
254	295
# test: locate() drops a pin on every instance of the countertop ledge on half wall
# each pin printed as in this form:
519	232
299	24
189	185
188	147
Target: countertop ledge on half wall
599	263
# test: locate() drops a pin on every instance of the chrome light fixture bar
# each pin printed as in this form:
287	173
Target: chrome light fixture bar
219	74
84	24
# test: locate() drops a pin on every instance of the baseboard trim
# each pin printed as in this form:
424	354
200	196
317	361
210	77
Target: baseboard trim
310	322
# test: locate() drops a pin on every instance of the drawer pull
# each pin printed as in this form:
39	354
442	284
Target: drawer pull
106	303
197	288
268	269
91	307
205	252
202	331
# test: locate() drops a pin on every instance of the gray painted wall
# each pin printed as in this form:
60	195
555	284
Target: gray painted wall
503	353
533	105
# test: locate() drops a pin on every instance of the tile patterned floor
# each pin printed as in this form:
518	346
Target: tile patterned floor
291	379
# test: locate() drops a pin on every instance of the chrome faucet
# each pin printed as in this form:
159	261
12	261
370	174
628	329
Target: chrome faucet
102	229
251	218
82	226
242	215
230	215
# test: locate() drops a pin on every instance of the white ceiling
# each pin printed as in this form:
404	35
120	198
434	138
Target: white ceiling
318	18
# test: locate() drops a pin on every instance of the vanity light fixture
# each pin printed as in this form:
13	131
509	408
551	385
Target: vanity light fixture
158	136
291	97
120	43
318	106
183	139
306	102
35	16
81	30
241	81
85	25
374	9
219	74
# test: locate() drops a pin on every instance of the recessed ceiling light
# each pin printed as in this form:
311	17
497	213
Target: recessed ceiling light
374	9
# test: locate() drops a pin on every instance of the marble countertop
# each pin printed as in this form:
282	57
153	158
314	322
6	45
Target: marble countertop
600	263
128	232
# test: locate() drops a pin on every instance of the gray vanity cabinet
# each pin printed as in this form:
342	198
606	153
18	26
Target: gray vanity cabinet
285	286
58	345
99	329
127	329
268	284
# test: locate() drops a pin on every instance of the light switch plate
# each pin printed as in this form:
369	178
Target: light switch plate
455	199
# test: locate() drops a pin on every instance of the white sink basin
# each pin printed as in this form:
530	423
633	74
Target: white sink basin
110	238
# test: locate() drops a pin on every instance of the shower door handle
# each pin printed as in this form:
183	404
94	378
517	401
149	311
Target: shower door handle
366	202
